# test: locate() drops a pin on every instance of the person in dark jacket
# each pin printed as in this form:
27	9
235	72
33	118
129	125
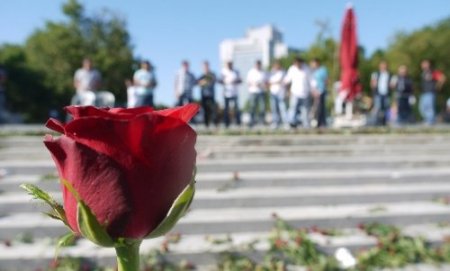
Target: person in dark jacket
403	88
207	83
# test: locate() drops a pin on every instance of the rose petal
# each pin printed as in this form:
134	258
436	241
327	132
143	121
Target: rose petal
55	125
184	113
116	113
85	111
158	157
170	173
115	137
98	180
131	111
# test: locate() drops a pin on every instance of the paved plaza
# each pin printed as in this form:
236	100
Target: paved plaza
326	181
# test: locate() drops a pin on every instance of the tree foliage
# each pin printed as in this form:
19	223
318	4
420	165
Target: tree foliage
53	53
59	48
430	42
25	91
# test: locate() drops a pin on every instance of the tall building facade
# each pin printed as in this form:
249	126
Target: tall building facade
263	43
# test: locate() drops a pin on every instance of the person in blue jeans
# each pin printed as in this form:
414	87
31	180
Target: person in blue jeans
403	86
277	95
257	82
230	79
299	78
380	84
319	90
231	105
184	84
144	82
431	82
207	83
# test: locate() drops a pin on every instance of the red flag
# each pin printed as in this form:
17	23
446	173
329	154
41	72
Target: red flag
348	57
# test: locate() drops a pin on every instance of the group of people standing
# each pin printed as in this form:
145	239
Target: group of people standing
400	87
305	101
185	82
87	82
307	94
307	83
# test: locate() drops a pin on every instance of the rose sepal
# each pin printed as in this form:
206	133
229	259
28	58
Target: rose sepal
64	241
91	228
177	210
87	223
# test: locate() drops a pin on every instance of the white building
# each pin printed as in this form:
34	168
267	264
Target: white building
262	43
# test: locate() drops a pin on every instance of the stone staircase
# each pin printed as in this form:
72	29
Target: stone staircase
326	181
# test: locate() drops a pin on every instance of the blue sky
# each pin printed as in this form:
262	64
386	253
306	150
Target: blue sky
168	31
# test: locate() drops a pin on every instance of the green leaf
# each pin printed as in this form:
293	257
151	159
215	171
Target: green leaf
91	228
64	241
57	209
178	209
53	215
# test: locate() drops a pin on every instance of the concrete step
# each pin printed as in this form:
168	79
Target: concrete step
278	139
196	248
213	153
221	152
39	148
318	140
276	196
434	234
329	181
350	138
327	216
226	180
226	220
269	164
199	249
210	152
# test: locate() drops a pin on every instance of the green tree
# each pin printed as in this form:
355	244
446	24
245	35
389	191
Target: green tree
57	50
430	42
25	92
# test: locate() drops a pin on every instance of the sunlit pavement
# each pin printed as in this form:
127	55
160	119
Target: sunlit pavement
329	181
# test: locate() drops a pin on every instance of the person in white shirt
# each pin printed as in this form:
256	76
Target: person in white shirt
380	83
184	84
86	82
277	95
299	79
230	79
144	83
319	76
256	82
131	94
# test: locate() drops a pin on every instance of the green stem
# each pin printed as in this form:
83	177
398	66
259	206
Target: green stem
128	256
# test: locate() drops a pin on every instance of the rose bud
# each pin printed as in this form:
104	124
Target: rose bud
127	174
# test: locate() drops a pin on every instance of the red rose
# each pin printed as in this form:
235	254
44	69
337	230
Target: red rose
127	165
